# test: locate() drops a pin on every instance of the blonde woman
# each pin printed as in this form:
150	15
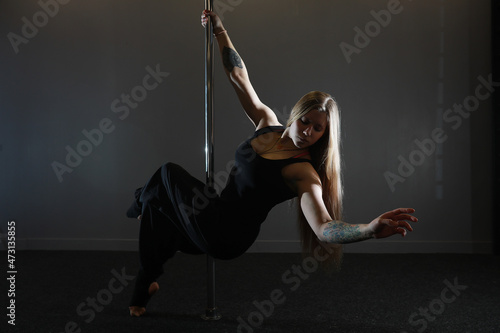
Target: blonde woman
277	163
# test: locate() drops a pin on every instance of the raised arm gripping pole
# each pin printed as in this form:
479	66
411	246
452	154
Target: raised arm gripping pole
211	312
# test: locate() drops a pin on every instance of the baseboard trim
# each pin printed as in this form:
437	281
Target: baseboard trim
383	246
261	246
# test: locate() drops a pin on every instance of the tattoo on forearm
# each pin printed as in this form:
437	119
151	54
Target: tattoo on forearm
231	59
341	232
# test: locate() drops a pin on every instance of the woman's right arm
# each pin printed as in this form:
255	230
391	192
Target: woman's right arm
306	182
235	69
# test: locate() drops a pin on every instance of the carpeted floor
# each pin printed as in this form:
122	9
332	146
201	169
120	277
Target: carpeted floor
89	292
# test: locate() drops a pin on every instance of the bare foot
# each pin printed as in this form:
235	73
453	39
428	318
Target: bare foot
137	311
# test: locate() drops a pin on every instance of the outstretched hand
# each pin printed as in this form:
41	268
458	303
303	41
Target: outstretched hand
216	21
393	222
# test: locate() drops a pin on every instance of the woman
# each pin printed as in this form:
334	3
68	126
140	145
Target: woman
180	213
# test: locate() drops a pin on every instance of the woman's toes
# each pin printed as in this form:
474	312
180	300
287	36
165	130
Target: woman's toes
137	311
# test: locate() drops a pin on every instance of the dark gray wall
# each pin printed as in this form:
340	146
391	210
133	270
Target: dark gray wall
394	83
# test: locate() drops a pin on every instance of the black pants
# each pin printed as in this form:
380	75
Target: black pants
177	213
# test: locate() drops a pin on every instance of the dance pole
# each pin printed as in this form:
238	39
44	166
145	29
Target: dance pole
211	312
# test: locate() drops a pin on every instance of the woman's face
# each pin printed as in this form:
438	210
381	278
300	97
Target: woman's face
308	129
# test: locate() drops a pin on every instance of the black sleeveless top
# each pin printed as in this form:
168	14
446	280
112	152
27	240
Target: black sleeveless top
254	187
225	225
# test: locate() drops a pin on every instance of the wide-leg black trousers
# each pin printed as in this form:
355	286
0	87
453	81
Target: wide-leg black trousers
178	214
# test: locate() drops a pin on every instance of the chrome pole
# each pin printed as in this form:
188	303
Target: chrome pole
211	312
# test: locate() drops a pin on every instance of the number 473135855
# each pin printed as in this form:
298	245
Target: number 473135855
11	244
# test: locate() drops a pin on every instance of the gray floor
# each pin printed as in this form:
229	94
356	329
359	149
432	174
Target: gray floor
89	292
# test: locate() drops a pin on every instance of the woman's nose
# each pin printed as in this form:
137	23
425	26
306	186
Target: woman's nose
307	131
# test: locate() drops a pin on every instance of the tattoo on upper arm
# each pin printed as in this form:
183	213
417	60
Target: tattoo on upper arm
231	59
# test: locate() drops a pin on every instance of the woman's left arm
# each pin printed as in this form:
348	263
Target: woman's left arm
259	113
308	186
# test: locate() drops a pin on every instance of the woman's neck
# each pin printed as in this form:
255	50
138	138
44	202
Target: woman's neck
286	142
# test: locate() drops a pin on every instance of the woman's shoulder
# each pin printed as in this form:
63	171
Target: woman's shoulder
268	129
300	170
269	123
299	175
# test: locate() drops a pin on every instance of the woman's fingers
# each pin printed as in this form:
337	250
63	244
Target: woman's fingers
399	226
390	222
401	211
405	225
396	221
204	17
405	217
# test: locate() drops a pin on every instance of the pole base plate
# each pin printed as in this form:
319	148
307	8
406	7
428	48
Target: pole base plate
211	314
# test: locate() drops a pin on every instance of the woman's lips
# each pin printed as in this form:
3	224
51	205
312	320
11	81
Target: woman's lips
301	140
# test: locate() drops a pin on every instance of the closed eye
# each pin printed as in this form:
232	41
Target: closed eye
317	128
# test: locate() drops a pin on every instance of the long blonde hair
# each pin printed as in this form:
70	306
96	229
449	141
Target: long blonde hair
325	155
